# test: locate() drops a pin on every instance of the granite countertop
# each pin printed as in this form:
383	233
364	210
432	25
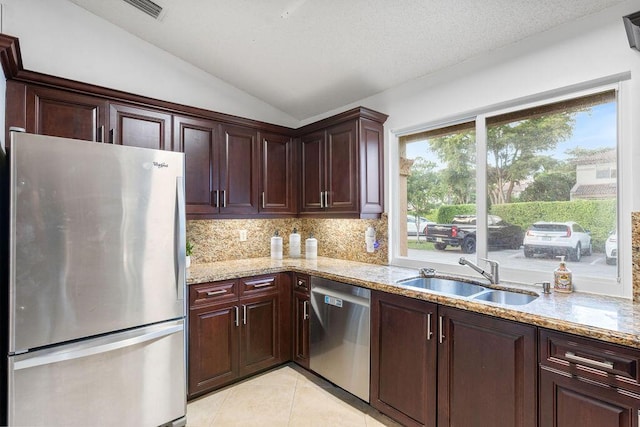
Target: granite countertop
611	319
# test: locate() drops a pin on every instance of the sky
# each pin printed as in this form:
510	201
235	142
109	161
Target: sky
594	129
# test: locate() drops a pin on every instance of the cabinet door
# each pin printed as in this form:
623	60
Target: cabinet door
239	170
371	168
196	139
213	347
301	328
342	168
486	371
140	127
312	172
65	114
403	359
567	401
277	170
259	338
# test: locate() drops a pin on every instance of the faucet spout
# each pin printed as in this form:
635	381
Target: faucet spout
493	276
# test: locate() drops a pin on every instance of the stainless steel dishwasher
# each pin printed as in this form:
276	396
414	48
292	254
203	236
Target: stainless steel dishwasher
339	338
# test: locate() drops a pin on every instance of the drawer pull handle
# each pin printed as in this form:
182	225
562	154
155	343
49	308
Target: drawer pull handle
429	333
441	329
305	310
262	285
214	293
572	356
300	283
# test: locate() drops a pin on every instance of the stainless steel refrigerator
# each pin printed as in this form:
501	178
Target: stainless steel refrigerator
96	308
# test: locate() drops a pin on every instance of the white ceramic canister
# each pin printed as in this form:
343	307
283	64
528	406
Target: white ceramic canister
294	244
276	246
311	248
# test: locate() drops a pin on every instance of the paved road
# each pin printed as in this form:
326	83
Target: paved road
591	266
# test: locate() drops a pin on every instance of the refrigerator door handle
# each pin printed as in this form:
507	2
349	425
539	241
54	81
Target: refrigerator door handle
181	240
47	359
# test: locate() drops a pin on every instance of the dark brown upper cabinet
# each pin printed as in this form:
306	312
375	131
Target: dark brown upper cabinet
341	163
196	139
55	112
235	167
139	127
277	172
221	173
239	173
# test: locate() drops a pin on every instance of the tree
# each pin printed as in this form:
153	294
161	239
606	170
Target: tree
424	187
513	150
458	152
549	187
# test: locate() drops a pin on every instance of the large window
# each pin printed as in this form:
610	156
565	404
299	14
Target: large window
522	187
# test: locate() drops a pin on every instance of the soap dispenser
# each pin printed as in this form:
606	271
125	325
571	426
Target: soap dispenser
562	278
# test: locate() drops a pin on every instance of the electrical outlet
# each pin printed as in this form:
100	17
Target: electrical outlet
243	235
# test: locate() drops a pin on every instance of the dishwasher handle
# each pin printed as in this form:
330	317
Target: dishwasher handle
353	299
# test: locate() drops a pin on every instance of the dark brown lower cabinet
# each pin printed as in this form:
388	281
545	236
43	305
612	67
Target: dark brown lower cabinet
403	358
587	383
301	306
567	401
237	328
487	371
213	348
259	335
486	367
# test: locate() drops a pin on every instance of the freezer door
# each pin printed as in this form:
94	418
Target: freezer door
97	239
134	378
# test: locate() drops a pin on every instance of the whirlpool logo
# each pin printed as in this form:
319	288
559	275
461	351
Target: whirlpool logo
160	165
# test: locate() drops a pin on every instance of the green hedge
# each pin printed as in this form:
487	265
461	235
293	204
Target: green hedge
598	216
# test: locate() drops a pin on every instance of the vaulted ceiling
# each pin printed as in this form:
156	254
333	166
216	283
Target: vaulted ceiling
306	57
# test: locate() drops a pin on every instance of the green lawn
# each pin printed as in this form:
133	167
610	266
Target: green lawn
422	245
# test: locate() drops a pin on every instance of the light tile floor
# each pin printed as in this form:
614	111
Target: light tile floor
285	396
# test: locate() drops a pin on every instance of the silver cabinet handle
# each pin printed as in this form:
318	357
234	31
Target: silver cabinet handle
441	330
263	285
305	310
429	333
579	359
263	204
101	134
217	197
326	199
214	293
224	198
244	314
300	283
237	315
321	199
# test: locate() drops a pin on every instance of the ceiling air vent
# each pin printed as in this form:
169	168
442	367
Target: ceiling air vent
147	6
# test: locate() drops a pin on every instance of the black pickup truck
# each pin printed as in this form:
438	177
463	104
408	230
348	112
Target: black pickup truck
462	233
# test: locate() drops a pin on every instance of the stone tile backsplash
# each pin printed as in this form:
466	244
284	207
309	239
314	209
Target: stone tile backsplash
635	254
219	240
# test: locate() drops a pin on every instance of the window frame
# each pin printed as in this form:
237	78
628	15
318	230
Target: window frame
619	286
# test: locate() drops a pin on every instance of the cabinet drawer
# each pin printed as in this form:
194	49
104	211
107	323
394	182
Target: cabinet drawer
208	293
604	362
301	283
258	285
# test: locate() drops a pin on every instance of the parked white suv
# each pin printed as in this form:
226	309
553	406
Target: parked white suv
611	248
557	238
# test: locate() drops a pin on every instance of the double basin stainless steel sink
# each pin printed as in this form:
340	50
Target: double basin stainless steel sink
469	290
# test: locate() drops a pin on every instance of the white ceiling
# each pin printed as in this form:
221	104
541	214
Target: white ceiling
306	57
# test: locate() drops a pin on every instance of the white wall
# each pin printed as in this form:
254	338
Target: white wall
59	38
